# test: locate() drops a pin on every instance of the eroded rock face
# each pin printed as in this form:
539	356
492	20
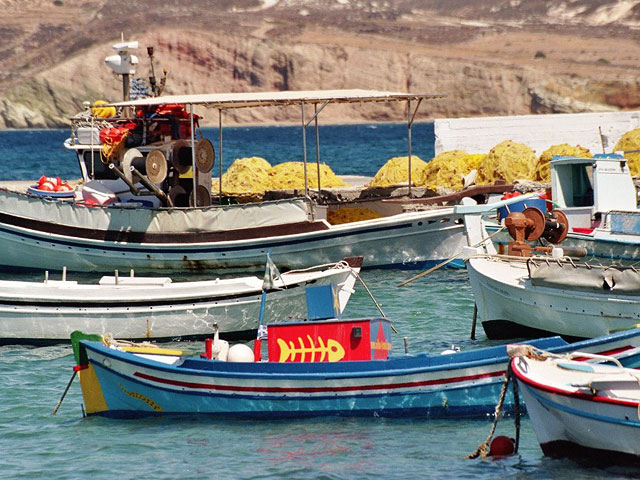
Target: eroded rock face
488	57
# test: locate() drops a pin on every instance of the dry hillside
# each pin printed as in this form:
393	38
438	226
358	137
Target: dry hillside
492	57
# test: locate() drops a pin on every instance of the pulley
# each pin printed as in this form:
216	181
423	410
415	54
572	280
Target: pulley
132	158
179	196
203	197
181	156
526	225
531	224
205	155
556	226
156	166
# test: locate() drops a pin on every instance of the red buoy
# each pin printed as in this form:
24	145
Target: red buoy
502	446
47	187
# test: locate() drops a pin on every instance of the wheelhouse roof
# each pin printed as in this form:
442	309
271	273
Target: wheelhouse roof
266	99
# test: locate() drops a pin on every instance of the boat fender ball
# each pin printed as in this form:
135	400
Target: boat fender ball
47	187
240	353
501	446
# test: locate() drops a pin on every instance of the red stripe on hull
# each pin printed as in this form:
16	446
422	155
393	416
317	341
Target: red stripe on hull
390	386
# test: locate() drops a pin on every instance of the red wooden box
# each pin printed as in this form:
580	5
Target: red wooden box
329	341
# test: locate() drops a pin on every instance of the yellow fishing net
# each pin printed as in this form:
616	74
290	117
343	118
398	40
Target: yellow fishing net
507	161
396	171
245	176
628	142
348	215
254	176
447	169
542	171
290	175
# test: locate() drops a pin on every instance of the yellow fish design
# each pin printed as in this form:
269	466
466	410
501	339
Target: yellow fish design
332	351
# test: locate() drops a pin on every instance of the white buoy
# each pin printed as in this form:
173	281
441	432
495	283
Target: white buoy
240	352
453	349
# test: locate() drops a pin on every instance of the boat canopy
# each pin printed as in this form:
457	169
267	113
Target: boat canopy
318	98
265	99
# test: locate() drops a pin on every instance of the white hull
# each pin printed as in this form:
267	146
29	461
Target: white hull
41	313
509	305
570	420
108	238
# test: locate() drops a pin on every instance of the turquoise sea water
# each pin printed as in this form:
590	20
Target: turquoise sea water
434	313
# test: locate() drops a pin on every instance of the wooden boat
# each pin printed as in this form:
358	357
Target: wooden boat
326	367
156	308
582	410
141	205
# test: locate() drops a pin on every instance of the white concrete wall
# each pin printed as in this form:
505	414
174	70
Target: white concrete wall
480	134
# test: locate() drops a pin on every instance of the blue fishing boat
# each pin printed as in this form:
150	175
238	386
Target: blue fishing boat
313	368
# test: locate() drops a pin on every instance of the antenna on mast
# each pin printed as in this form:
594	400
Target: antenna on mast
152	77
123	63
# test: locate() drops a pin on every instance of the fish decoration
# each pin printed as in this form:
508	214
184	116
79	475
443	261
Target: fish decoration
332	351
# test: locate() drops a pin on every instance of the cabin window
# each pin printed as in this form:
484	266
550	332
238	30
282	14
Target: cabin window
582	186
101	171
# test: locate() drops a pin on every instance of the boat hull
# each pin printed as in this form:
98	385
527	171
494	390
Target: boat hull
46	313
119	384
509	306
574	422
50	235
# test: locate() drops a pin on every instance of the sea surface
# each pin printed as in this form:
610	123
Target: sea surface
433	313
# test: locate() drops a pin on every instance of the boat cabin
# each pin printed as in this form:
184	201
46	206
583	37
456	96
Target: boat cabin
586	189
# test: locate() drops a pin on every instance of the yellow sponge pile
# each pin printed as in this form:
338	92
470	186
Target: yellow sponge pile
628	142
348	215
507	161
447	169
542	171
396	171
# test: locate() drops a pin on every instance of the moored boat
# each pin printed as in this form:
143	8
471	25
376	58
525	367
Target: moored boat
607	225
330	367
582	410
538	290
156	308
146	202
530	297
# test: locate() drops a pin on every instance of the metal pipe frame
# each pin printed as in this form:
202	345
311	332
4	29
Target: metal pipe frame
410	119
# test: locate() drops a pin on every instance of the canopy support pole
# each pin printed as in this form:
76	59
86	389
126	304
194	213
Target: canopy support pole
305	124
220	156
410	118
315	119
304	151
193	158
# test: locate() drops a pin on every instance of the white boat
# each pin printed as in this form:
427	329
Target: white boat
157	308
538	291
140	208
606	224
537	296
582	410
37	233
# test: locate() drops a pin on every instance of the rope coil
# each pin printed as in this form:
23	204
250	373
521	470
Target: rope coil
112	149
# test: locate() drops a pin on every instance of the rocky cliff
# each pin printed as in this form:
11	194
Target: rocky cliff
490	57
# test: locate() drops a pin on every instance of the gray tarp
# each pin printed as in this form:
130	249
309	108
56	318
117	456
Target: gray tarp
215	218
617	280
